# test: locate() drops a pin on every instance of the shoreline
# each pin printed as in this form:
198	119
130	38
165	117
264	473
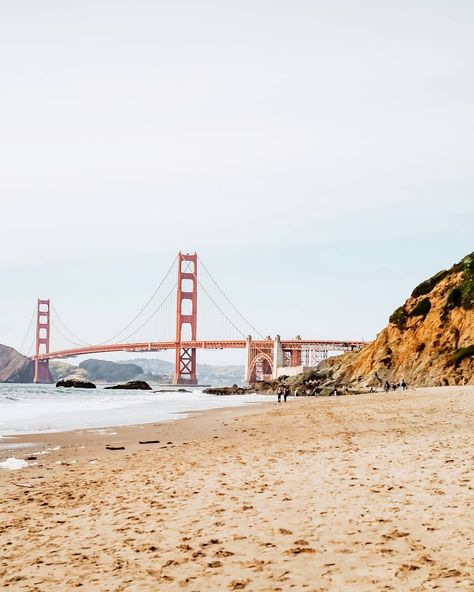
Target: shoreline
87	438
78	418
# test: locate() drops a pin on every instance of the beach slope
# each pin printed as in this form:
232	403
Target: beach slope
360	493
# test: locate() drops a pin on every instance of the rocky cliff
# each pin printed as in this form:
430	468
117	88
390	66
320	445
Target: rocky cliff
428	341
14	367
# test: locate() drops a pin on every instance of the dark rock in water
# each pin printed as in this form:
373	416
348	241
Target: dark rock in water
75	382
181	390
135	385
228	390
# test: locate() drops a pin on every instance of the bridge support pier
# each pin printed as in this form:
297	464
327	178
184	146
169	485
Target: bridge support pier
259	361
278	356
43	331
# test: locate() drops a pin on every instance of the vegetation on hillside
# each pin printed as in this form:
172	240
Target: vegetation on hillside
462	353
460	295
427	286
422	308
399	317
467	285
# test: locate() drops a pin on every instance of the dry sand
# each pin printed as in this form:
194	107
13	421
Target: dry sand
362	493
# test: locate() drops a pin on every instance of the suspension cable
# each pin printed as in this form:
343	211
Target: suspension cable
28	330
78	339
154	313
68	339
217	306
229	301
143	308
31	348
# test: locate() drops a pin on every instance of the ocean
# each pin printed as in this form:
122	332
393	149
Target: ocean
30	409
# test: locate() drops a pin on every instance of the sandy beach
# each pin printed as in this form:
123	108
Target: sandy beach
356	493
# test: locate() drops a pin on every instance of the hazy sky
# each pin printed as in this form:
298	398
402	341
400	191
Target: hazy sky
317	154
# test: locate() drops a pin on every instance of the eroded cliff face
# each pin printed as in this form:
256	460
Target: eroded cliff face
428	341
14	367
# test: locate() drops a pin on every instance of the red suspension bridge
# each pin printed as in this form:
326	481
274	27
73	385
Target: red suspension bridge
175	302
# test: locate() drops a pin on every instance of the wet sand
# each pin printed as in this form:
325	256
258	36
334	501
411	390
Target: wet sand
358	493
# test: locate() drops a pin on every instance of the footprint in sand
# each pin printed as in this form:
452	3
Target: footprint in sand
394	534
238	584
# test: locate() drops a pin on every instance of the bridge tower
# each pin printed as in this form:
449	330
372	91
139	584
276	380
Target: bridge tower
186	318
43	332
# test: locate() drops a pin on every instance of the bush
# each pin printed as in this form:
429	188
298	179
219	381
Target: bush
426	286
462	353
422	308
398	317
454	298
467	286
469	263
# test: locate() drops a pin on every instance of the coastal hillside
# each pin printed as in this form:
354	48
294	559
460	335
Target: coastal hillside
428	341
207	373
15	367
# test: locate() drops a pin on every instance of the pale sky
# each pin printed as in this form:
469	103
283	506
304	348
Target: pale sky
317	154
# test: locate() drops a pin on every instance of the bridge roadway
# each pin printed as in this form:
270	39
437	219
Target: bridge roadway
152	346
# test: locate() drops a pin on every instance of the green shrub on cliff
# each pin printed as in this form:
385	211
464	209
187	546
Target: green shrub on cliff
467	286
426	286
454	298
422	308
398	317
462	353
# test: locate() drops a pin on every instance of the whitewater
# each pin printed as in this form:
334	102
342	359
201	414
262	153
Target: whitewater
31	409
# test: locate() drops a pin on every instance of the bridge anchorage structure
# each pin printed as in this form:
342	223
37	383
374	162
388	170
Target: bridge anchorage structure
265	356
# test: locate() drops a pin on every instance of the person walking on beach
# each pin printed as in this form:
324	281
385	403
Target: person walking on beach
403	384
386	386
279	391
286	392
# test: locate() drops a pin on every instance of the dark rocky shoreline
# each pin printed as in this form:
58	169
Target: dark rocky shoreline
306	384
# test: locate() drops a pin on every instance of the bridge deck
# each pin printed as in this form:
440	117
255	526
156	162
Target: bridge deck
153	346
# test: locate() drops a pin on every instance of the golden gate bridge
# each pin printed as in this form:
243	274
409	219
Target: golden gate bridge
172	313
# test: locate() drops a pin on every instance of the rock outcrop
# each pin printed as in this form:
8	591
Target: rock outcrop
429	341
309	383
228	390
134	385
75	381
15	367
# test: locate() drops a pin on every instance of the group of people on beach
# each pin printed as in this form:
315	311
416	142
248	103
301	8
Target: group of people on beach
307	390
387	387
